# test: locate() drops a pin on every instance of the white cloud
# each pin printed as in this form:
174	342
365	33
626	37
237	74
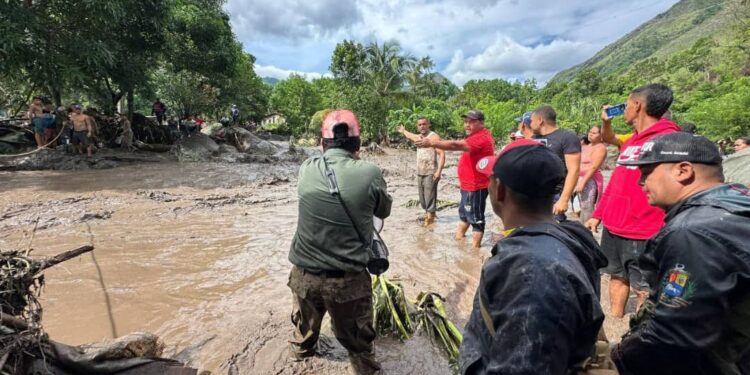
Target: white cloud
509	39
278	73
507	58
294	19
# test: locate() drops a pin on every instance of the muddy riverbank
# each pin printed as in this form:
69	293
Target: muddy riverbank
197	253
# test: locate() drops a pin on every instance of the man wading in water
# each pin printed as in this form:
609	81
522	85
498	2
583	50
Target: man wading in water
476	145
328	256
83	126
430	163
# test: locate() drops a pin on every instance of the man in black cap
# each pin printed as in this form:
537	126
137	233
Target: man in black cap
697	318
536	310
477	144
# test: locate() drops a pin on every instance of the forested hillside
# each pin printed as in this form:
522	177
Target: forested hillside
185	52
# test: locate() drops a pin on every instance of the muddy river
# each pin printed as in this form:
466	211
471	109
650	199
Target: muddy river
197	253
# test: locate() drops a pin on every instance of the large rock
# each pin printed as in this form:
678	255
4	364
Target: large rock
248	142
196	147
211	129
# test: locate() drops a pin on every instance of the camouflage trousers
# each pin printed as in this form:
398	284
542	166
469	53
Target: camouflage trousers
347	299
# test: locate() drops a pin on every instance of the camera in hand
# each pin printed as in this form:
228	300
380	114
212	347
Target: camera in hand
617	110
378	262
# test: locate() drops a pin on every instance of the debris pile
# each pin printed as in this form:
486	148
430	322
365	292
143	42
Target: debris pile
394	314
26	349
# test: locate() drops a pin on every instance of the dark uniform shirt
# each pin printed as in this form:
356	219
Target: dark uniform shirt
697	319
325	239
540	290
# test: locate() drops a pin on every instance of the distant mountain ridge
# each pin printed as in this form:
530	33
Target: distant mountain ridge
677	28
270	81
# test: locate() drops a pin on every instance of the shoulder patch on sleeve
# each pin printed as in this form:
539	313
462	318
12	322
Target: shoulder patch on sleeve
677	287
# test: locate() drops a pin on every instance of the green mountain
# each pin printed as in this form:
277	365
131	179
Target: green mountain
270	81
674	30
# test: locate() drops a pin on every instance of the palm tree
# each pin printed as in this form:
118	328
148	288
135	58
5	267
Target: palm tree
386	67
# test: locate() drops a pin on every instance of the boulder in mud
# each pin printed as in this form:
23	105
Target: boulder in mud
249	142
211	129
14	140
196	147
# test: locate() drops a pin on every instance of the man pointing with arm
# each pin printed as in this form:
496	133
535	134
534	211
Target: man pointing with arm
477	144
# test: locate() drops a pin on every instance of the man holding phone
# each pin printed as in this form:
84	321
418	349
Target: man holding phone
624	211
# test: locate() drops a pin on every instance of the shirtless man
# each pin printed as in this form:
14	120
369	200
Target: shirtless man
430	163
35	116
82	130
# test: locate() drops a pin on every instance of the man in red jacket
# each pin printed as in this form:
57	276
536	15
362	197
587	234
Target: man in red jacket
477	144
624	211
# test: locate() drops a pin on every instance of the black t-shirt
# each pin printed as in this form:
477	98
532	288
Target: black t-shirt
561	142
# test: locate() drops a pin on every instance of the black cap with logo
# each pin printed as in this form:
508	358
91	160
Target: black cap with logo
677	147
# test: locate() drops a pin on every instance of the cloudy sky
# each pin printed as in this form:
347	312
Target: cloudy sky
511	39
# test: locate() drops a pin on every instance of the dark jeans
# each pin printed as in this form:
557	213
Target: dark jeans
348	300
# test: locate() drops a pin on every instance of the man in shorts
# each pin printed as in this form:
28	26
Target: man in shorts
477	144
82	130
623	210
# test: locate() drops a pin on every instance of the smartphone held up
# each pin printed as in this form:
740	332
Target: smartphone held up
617	110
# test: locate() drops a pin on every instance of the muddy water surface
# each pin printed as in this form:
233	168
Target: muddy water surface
197	253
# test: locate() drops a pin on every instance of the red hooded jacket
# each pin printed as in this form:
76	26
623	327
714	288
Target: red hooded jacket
624	208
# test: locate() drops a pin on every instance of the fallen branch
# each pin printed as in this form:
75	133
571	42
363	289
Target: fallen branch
59	258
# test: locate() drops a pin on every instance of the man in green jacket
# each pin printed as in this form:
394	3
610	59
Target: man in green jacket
327	252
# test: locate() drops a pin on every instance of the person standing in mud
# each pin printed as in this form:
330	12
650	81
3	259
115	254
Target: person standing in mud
477	144
35	116
537	309
590	179
83	127
430	163
127	132
159	110
235	112
327	253
566	145
623	209
697	318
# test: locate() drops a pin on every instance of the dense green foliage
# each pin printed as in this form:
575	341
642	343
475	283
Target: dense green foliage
99	52
700	48
184	51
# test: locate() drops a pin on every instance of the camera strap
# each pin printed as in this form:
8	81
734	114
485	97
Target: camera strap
333	188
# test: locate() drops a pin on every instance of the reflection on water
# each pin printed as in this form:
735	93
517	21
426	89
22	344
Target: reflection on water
197	253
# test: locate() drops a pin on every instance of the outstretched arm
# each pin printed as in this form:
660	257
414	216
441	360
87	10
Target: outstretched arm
409	135
444	144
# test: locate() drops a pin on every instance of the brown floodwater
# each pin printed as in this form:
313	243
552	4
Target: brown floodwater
197	253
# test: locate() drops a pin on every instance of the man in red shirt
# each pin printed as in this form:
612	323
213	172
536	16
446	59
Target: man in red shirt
629	221
477	144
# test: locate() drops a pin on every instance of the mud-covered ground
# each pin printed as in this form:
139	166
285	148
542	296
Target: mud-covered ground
197	253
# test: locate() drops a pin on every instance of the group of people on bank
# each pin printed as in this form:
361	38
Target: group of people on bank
673	231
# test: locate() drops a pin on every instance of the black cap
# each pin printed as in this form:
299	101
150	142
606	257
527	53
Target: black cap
474	114
525	166
677	147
